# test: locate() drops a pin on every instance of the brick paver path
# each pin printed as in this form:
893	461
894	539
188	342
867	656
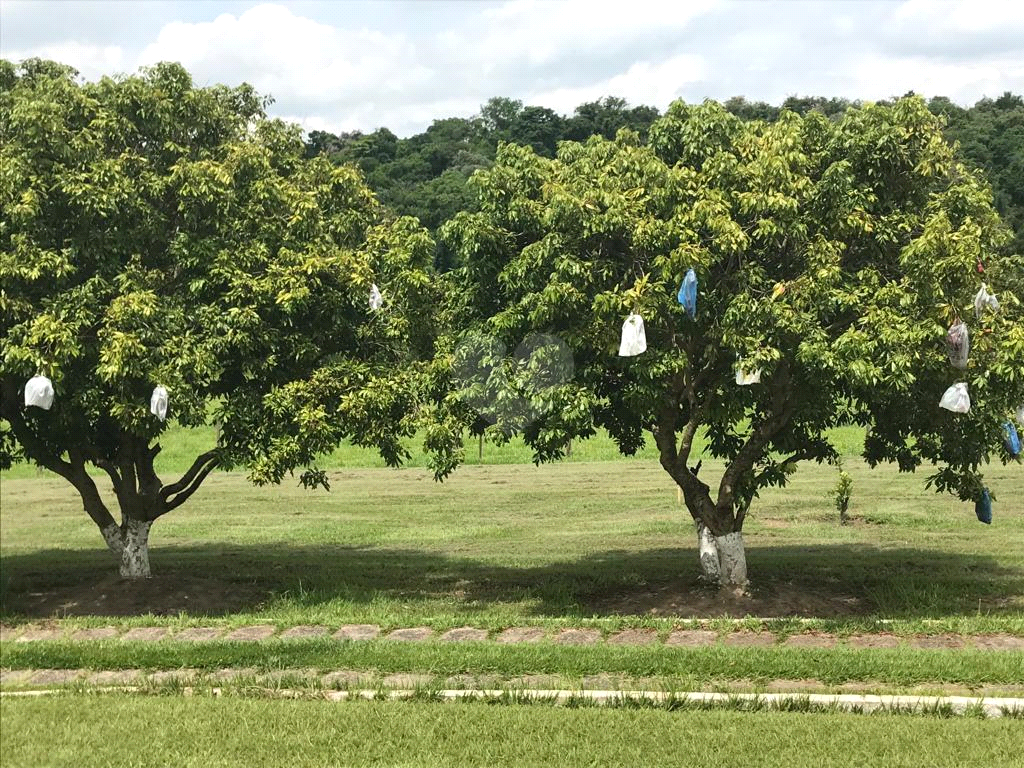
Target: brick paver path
583	636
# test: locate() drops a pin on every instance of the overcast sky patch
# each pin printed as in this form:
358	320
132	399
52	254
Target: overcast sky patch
344	66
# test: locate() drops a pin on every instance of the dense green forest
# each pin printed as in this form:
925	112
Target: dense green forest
425	175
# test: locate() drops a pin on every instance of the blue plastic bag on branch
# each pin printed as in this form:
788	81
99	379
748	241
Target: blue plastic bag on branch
158	403
1012	439
688	293
958	344
983	507
634	338
39	392
956	399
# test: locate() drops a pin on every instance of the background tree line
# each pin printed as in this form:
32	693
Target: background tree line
426	175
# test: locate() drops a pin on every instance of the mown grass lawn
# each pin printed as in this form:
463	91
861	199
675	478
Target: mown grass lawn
597	542
211	732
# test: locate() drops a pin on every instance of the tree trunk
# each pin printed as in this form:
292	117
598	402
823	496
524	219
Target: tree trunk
723	559
135	555
707	552
112	535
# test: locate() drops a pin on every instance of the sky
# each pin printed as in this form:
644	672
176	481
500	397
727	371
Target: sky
345	65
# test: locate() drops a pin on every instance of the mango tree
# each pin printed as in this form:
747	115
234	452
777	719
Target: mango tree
830	257
158	234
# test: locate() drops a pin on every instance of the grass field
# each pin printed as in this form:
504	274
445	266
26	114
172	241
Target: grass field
588	542
228	732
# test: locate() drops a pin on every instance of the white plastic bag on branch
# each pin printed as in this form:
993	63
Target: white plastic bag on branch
376	300
985	299
634	338
39	392
744	378
158	403
1020	415
956	399
958	343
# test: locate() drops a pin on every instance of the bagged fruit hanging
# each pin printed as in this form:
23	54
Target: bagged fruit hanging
688	293
958	344
158	403
634	338
956	399
39	392
983	507
1012	439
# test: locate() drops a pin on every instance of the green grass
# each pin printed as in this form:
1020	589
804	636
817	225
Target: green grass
181	446
211	732
558	545
688	668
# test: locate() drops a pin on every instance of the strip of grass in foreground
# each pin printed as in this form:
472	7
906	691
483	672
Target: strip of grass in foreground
700	665
228	732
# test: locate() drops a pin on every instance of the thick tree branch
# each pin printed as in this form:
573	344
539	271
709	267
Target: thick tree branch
197	466
182	496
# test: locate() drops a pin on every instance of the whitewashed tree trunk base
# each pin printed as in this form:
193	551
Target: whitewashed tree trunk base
723	559
135	555
112	535
708	554
732	558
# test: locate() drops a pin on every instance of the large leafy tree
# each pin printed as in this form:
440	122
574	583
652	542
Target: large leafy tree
154	233
831	256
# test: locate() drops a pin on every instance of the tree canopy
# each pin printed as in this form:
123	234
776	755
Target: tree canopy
831	256
155	233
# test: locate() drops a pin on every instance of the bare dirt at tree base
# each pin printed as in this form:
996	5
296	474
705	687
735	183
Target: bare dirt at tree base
701	601
166	595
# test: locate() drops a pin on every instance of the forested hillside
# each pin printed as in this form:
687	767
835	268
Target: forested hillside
425	175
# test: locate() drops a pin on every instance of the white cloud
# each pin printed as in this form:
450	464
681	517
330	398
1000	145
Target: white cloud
361	65
92	61
878	77
652	84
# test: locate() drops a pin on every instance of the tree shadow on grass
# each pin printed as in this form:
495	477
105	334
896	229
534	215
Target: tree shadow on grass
828	581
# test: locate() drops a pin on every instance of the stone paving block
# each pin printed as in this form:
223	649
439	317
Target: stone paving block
15	676
539	682
98	633
199	634
230	674
578	636
115	677
692	638
345	678
251	634
357	632
464	634
305	631
184	675
634	637
31	635
750	639
305	675
931	642
602	682
470	682
810	641
406	680
999	643
873	641
146	634
521	635
411	634
55	676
